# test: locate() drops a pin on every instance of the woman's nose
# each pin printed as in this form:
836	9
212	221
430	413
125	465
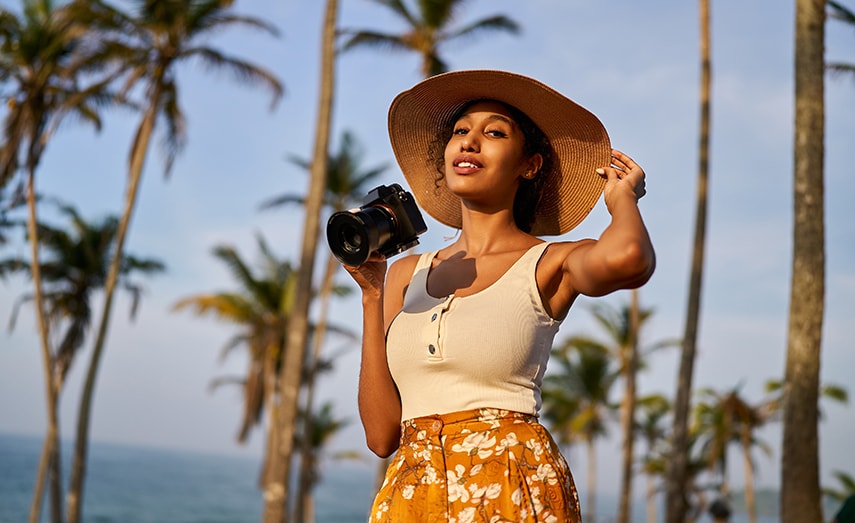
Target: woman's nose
468	144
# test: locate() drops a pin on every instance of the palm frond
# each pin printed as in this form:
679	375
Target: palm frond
244	72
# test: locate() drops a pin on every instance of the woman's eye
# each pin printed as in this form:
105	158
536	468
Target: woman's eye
496	133
460	130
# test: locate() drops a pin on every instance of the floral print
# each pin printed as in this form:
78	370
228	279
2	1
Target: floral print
476	466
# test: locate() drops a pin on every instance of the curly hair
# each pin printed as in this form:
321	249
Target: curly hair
527	199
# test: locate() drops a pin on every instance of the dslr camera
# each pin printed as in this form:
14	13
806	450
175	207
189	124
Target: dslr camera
388	222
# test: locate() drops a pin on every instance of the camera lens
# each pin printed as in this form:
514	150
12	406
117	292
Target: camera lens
351	238
354	235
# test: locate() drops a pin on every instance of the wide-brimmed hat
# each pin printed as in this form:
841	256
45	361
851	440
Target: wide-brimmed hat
578	138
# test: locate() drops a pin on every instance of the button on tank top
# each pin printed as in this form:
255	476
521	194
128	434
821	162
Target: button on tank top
485	350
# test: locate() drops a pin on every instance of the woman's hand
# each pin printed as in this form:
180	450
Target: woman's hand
370	276
622	176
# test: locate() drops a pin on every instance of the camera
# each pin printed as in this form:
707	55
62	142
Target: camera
388	222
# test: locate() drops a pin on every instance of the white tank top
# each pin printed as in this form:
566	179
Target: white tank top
485	350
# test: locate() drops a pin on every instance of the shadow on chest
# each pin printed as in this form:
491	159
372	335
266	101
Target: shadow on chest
462	275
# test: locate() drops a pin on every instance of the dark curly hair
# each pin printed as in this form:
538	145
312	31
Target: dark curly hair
528	195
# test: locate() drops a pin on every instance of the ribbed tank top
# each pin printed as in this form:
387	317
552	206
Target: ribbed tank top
485	350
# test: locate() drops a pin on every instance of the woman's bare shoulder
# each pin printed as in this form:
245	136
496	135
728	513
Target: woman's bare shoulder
557	252
402	270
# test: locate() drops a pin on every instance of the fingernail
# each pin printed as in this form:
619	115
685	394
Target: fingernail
600	170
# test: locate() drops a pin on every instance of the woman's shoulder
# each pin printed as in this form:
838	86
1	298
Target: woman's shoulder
560	250
402	269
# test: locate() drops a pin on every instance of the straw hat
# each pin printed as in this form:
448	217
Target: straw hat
579	140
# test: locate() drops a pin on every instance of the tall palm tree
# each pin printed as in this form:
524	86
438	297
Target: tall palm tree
345	187
840	12
623	329
261	308
725	418
653	410
676	504
43	54
277	488
800	489
163	34
429	26
323	427
580	388
73	269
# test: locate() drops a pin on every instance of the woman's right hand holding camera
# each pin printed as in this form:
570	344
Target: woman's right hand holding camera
370	276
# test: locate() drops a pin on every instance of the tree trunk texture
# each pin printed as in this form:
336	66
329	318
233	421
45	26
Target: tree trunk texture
628	412
49	462
591	512
308	460
750	504
74	497
276	492
800	489
676	503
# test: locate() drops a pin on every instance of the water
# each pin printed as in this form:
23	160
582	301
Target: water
140	485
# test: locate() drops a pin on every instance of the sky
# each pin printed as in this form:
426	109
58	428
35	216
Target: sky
634	64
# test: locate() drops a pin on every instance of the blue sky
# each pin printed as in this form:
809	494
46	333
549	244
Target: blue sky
634	64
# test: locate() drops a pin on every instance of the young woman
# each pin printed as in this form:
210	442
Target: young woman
456	341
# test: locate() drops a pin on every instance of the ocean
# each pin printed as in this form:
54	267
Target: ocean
127	484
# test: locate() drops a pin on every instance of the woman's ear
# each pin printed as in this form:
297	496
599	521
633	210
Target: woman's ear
533	166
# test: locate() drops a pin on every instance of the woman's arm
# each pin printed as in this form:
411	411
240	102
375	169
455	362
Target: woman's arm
379	402
622	257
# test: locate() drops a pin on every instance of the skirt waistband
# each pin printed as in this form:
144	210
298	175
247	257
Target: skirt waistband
491	417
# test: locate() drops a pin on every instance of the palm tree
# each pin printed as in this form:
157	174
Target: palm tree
43	53
261	308
846	489
276	490
653	409
323	427
73	269
676	504
164	34
800	489
428	28
576	400
623	328
840	12
346	184
726	418
774	404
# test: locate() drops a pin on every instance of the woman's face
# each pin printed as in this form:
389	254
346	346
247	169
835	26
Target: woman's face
484	158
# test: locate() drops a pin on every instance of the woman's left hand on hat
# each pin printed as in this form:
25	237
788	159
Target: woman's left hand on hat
623	174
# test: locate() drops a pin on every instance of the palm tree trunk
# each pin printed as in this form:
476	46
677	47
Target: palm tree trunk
628	412
750	504
676	504
592	482
800	489
81	443
276	492
49	462
307	458
651	499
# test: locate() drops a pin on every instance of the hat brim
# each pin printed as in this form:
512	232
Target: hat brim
578	138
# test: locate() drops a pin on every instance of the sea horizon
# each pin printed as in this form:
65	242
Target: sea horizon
141	484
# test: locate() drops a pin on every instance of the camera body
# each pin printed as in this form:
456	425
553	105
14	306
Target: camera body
388	222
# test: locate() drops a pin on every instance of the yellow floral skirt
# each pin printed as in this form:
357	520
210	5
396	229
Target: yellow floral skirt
482	465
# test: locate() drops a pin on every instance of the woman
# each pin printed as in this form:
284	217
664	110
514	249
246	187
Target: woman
455	342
